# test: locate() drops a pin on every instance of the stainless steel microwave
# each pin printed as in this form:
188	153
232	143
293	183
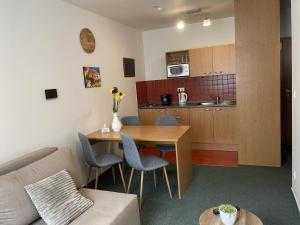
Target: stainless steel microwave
179	70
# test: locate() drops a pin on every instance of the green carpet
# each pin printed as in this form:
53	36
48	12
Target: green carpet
264	191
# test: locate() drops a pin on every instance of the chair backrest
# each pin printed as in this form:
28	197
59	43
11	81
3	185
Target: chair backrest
131	153
130	121
88	152
166	121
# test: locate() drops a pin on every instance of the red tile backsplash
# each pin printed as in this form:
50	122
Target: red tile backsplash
197	88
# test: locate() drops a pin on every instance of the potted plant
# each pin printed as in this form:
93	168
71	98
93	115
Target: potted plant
228	214
116	124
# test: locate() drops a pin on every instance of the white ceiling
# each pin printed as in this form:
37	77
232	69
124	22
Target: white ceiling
141	15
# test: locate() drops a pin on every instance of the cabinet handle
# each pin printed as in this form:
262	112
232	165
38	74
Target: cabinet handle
161	111
206	109
178	117
221	71
177	110
219	109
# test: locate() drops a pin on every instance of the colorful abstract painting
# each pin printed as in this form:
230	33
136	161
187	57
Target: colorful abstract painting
92	77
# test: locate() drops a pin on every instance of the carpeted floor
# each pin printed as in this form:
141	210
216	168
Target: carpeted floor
262	190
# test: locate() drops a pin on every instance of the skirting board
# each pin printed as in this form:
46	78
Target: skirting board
296	199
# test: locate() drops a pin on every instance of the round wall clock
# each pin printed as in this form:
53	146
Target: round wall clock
87	40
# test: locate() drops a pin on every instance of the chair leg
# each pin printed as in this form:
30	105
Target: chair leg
113	174
154	176
141	189
96	181
122	177
130	179
167	180
88	179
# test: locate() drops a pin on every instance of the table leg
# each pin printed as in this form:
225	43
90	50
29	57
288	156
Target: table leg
184	162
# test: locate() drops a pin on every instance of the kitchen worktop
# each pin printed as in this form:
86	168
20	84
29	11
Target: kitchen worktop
188	105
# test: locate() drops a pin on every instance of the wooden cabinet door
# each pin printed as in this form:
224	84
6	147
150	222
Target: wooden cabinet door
201	120
225	125
224	59
182	115
201	63
149	116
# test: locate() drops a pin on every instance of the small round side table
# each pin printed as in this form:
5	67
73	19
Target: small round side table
244	217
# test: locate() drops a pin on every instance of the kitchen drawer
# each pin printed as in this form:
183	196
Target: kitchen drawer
182	115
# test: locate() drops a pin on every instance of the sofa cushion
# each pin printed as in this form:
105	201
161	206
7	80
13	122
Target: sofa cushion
16	207
57	199
110	208
25	160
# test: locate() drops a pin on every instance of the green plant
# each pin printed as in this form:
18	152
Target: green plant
227	208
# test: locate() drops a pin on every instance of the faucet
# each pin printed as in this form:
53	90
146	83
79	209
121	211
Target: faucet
218	100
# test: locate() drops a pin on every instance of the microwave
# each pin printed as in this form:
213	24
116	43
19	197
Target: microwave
179	70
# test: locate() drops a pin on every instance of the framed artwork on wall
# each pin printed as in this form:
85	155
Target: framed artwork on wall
92	77
129	67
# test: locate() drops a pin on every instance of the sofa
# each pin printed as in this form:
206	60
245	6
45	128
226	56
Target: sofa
16	208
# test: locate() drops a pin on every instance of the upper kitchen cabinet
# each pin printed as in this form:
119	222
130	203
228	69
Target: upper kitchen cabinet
224	59
201	62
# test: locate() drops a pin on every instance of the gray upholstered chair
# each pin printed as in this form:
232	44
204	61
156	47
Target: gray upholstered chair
97	162
146	163
166	121
131	121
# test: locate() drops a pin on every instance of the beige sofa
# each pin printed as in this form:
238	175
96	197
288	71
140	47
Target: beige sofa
16	207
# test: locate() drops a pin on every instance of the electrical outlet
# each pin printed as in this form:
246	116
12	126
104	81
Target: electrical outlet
294	175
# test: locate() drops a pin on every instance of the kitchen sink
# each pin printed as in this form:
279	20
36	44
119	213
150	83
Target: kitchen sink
206	103
224	103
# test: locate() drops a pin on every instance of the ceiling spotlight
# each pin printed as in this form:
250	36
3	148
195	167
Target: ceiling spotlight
157	7
180	25
206	21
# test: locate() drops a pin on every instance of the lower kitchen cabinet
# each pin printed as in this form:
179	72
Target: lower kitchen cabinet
182	115
149	116
217	126
201	120
225	125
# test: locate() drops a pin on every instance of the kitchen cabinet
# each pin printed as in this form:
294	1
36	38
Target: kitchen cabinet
209	125
202	125
258	84
224	59
201	61
182	115
225	125
217	60
149	116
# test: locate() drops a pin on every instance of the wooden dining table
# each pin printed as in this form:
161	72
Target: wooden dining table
180	136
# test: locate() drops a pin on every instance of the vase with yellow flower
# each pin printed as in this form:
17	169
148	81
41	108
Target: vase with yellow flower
116	124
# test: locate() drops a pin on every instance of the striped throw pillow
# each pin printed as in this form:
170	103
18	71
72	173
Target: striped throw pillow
57	199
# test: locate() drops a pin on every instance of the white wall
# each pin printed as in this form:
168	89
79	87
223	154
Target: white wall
40	49
158	42
296	101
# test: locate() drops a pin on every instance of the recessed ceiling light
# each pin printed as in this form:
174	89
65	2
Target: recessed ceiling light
206	21
180	25
157	7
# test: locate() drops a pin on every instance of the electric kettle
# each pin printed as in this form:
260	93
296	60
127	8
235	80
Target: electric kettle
182	98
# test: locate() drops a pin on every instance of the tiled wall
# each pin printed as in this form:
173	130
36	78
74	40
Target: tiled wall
197	88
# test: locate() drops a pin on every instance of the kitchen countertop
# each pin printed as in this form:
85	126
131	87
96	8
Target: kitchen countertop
188	105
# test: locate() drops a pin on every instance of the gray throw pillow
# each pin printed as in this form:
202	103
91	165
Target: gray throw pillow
57	199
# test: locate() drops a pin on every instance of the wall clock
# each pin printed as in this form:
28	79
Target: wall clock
87	40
